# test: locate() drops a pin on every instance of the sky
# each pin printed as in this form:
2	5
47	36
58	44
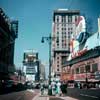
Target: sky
35	21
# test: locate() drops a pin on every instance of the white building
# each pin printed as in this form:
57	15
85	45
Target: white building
63	25
31	65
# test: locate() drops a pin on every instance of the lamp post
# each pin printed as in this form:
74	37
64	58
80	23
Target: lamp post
49	40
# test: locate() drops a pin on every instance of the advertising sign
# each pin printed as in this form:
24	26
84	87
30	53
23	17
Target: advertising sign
79	37
30	69
97	75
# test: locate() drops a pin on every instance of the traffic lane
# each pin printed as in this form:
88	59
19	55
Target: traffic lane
55	98
92	94
22	95
84	94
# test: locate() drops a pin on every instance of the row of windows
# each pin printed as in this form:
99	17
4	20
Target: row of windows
65	19
87	68
57	63
64	29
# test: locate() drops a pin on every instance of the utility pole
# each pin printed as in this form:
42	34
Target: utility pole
49	40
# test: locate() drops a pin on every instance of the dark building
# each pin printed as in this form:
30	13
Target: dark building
8	34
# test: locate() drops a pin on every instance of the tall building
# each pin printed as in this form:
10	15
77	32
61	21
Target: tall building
8	34
31	65
63	25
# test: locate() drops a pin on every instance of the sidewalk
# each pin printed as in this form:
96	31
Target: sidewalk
46	97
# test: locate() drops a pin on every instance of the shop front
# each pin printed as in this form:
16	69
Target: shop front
86	70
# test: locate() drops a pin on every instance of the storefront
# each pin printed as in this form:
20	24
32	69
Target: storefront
83	68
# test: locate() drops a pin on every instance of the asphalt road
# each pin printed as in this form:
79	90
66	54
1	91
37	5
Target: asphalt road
52	98
84	94
22	95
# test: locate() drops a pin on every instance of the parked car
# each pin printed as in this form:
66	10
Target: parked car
8	84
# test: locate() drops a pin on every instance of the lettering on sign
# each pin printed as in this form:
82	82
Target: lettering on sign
78	53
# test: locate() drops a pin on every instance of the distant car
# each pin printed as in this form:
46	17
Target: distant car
28	85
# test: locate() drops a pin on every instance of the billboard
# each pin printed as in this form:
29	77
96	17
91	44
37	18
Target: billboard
80	35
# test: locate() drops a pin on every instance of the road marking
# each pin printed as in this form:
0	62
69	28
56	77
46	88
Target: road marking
68	98
19	98
88	96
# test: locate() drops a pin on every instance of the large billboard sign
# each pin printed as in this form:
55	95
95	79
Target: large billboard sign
79	36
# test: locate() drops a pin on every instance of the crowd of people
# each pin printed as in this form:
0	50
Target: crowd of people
56	88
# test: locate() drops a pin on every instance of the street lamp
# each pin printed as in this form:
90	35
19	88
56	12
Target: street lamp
49	40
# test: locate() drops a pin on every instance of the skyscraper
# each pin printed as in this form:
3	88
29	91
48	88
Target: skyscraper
63	25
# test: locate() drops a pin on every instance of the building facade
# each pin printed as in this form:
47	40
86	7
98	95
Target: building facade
64	24
84	62
42	72
31	65
8	34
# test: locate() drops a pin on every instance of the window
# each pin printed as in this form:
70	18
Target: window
69	19
57	61
57	39
57	18
57	57
57	45
63	19
75	18
77	70
57	69
94	67
82	69
87	68
57	65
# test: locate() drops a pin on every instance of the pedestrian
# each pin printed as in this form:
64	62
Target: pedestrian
58	89
50	90
42	88
64	88
53	85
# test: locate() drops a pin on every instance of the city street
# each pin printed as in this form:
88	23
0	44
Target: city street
50	50
22	95
73	94
84	94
